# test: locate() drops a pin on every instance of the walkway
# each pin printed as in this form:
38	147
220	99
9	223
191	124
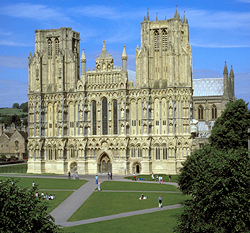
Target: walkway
64	211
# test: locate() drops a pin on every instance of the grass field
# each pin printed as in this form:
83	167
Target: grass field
48	183
148	177
12	111
136	186
109	203
158	222
20	168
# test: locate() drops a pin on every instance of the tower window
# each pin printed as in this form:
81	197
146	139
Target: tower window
57	46
49	47
164	39
156	34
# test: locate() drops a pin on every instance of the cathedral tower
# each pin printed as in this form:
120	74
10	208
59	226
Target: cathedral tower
165	57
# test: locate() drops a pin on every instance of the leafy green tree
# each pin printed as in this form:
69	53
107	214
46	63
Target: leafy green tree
16	106
16	120
21	211
24	107
217	177
230	130
219	184
25	122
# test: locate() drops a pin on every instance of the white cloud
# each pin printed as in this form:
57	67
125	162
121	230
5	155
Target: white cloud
217	45
12	43
34	11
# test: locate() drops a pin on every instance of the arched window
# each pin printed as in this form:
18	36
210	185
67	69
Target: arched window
104	117
200	112
57	46
16	145
49	47
164	39
156	34
214	112
115	116
94	117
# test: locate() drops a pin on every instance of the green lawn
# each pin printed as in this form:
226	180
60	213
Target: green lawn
60	197
20	168
48	183
148	177
157	222
109	203
137	186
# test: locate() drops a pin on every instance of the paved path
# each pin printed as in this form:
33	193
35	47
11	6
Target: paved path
64	211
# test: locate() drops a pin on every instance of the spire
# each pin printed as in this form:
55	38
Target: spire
124	54
231	78
83	57
225	68
124	59
231	72
104	50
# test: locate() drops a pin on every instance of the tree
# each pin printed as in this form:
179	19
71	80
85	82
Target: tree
24	107
22	211
16	120
15	105
217	177
230	130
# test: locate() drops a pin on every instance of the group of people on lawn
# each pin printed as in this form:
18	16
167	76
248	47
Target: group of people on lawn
75	176
46	196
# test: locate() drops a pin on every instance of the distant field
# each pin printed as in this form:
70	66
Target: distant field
12	111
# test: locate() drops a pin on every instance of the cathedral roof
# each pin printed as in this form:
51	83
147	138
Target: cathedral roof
208	86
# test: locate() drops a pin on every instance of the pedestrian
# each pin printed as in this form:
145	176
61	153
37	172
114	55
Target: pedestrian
169	178
160	201
96	179
134	178
108	176
111	175
69	175
159	179
33	184
99	186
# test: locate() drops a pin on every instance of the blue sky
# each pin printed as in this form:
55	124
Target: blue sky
219	31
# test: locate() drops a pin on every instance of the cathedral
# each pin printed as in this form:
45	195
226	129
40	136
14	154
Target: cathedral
98	121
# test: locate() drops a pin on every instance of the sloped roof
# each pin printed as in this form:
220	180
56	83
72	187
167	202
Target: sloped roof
8	134
25	135
208	86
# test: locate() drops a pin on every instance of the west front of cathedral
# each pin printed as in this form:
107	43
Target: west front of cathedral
98	121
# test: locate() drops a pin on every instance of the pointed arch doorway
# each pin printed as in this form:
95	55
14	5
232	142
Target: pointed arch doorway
104	165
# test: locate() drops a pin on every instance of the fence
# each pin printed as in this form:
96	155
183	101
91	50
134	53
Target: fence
14	169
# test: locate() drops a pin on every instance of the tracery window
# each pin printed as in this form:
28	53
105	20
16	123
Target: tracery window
165	155
104	117
49	47
57	46
94	117
115	116
157	153
200	113
214	112
164	39
156	39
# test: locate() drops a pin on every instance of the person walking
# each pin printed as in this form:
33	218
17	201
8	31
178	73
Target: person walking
111	175
99	186
33	184
160	201
169	178
69	175
96	179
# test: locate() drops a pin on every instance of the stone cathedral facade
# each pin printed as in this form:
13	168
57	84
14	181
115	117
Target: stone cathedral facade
98	121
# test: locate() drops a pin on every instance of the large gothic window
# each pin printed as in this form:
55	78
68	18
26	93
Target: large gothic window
214	112
104	117
94	118
49	47
115	116
200	113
